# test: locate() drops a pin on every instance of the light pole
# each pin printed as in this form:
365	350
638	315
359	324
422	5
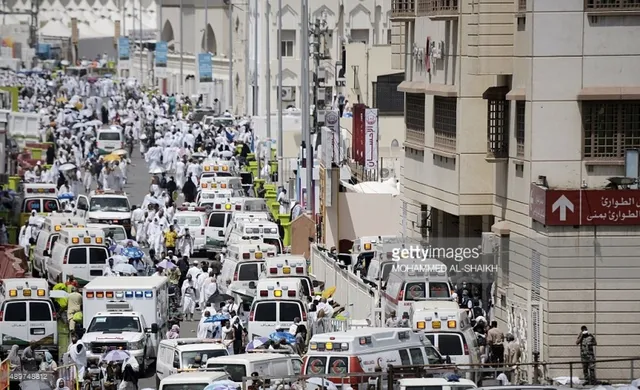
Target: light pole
268	75
181	47
280	125
230	2
306	122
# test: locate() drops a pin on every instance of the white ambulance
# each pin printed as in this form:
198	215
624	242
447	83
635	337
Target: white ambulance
219	219
209	195
364	249
107	206
195	219
28	315
415	280
48	236
39	197
220	183
78	252
217	168
243	264
448	328
364	350
265	231
245	216
278	302
126	312
290	266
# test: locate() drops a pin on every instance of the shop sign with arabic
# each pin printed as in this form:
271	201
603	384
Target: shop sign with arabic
584	207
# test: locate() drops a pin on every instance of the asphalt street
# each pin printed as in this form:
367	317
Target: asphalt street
137	187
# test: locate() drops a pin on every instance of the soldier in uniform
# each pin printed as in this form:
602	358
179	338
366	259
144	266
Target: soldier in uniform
587	343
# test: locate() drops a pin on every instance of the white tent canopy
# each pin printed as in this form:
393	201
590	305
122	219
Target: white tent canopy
390	187
55	28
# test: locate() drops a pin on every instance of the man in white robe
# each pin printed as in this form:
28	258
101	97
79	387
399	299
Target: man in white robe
188	298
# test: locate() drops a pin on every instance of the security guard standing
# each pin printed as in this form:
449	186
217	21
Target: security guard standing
587	343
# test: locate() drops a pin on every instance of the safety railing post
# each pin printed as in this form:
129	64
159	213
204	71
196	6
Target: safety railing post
631	376
571	374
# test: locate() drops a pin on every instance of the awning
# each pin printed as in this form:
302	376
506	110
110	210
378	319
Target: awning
517	94
495	93
412	86
442	90
609	93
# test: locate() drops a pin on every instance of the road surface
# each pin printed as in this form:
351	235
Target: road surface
137	188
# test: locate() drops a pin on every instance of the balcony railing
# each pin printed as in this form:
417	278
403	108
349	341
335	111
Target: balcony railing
611	5
403	9
438	7
522	5
415	137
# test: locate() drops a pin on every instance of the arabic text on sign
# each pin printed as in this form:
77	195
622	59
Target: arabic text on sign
621	202
614	216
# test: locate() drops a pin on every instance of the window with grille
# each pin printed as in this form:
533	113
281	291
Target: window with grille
386	97
414	117
445	122
613	5
520	123
610	127
498	128
287	43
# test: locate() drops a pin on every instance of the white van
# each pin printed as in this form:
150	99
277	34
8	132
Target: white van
27	315
265	231
265	364
415	280
209	195
217	168
244	264
244	216
191	380
275	308
449	329
220	182
194	218
177	355
78	252
364	249
435	384
118	231
109	139
290	266
365	350
48	236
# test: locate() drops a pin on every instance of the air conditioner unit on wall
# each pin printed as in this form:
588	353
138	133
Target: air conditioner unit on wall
287	94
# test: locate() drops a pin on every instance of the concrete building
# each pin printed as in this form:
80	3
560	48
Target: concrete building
507	103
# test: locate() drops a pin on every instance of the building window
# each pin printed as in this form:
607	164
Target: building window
520	123
445	122
610	127
360	35
287	43
414	117
386	97
613	5
498	128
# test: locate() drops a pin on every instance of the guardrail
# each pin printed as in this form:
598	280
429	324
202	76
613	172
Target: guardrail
351	292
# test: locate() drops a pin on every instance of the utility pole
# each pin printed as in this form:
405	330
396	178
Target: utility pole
230	56
280	125
206	26
268	75
141	44
305	106
255	57
181	47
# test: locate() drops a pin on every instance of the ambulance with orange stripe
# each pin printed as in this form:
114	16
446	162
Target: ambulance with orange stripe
338	354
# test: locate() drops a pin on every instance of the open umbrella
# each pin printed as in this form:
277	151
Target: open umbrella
127	241
156	171
199	155
66	196
166	264
257	343
222	385
79	125
34	385
95	122
119	152
328	293
124	268
66	167
288	337
132	252
115	248
111	157
217	298
116	355
216	318
119	259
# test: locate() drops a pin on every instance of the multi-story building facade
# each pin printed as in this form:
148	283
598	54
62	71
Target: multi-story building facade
507	102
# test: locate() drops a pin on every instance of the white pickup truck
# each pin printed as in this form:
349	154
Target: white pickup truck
128	313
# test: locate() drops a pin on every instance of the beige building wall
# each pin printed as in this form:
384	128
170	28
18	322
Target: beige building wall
551	280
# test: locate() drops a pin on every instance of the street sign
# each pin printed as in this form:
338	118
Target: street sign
599	207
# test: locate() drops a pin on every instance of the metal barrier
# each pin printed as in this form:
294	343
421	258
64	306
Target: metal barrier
327	325
351	292
70	375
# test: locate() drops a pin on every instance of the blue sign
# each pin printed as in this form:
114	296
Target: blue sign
162	50
123	48
205	69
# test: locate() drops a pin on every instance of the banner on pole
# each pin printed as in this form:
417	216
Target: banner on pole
371	140
123	53
205	73
162	51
